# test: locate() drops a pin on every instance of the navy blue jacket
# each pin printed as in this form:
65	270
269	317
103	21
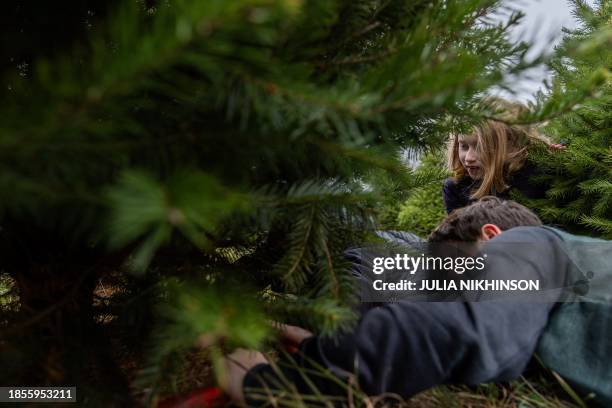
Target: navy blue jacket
457	194
407	347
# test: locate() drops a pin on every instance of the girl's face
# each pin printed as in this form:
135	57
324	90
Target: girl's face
469	156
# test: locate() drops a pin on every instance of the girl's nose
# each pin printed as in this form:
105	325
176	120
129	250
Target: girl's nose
470	156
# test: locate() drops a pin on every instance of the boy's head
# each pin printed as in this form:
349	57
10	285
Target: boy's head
483	220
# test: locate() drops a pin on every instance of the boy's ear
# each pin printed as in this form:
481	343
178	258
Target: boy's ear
489	231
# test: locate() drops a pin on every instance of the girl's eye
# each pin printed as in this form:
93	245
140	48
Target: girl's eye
463	146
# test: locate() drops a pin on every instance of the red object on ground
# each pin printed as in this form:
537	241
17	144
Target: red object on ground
290	347
211	397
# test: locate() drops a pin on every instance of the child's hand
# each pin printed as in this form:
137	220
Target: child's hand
556	146
236	366
291	335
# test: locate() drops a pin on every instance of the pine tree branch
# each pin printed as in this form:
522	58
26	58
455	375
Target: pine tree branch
366	29
332	272
357	60
303	246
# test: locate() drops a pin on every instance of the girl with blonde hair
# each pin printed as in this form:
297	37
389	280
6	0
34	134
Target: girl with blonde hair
493	158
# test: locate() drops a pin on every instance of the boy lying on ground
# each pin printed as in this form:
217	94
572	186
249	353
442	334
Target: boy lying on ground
407	347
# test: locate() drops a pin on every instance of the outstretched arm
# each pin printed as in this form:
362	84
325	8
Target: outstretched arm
407	347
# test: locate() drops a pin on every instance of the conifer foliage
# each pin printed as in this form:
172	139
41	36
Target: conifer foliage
423	210
580	198
212	157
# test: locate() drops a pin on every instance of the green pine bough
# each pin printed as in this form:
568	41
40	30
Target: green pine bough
157	153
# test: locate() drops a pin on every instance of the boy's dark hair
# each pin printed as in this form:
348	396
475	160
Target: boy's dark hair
464	224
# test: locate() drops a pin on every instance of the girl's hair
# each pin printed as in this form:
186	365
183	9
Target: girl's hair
502	147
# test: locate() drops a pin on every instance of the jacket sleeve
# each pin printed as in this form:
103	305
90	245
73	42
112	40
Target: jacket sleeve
526	181
452	196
